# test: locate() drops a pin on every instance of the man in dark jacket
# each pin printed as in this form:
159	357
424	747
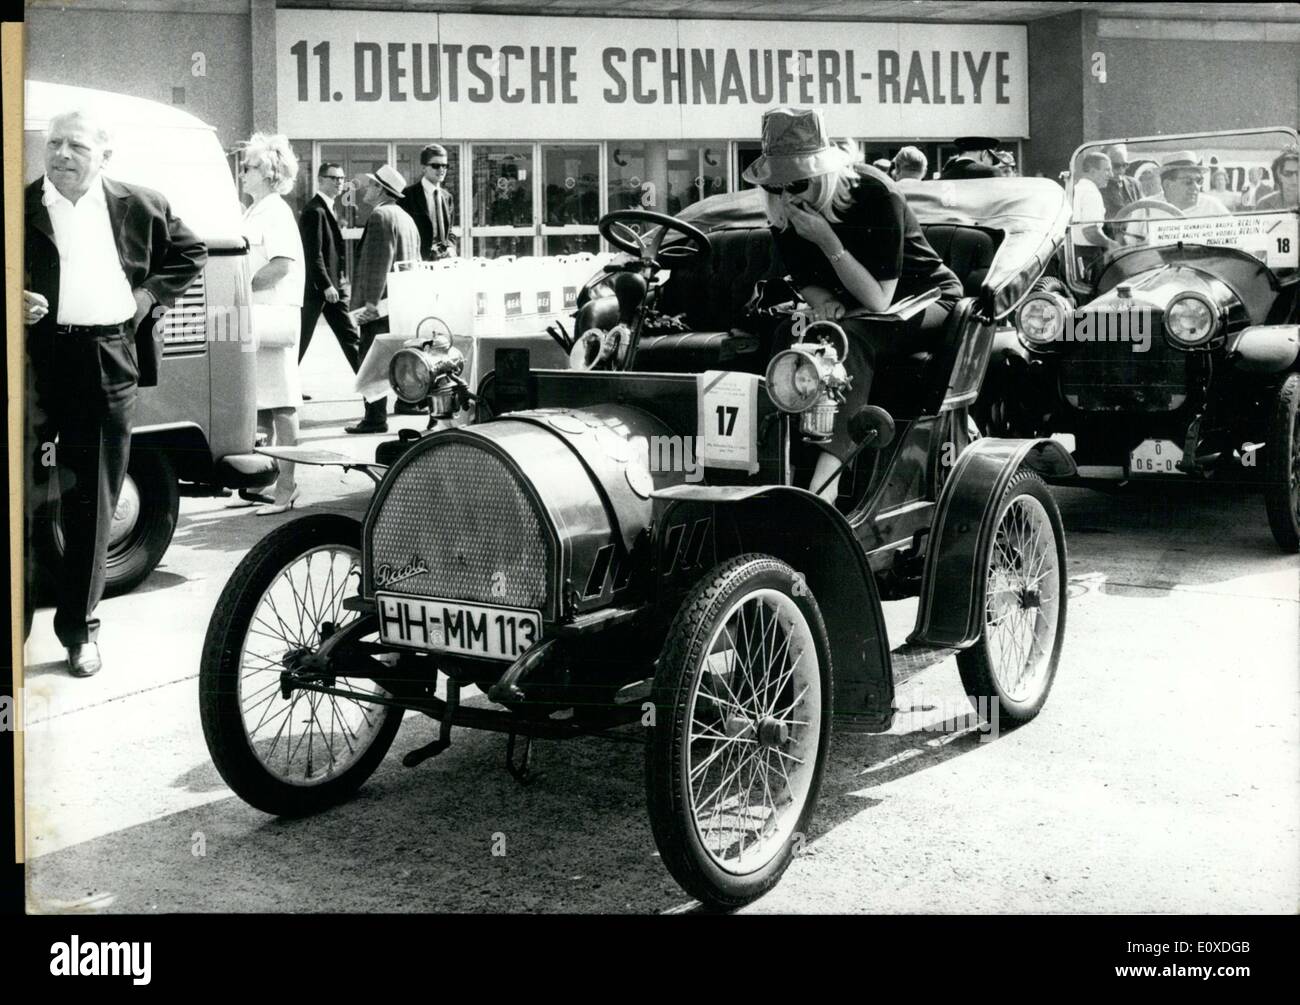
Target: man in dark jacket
322	245
390	236
429	204
103	262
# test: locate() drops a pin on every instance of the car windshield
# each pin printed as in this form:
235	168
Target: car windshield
1235	190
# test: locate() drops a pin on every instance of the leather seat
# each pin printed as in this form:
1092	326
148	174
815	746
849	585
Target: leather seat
711	297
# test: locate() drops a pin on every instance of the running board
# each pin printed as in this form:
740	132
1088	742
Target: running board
906	662
911	658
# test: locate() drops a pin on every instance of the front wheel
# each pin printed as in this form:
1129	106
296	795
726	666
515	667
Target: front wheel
281	748
1282	466
1014	661
743	700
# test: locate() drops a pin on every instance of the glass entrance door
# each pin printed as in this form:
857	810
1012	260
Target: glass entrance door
570	198
504	199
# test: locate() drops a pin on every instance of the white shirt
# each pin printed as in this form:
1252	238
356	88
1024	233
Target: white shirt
93	289
272	232
1088	206
430	199
329	203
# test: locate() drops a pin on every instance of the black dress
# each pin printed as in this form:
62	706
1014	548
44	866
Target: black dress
881	232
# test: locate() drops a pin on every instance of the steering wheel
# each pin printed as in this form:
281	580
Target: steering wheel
1169	210
614	228
1149	203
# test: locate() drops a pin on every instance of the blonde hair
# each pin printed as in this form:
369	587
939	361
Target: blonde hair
828	194
275	155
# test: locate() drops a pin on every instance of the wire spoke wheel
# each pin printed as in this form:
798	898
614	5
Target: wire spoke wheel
750	744
280	746
732	780
1014	661
1022	598
304	737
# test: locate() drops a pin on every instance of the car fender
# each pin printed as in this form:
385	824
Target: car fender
952	590
1264	348
812	537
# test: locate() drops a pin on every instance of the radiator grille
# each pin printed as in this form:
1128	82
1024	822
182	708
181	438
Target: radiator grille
458	511
1111	377
184	327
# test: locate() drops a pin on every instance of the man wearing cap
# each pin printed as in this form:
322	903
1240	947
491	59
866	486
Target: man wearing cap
1182	176
390	236
976	157
429	204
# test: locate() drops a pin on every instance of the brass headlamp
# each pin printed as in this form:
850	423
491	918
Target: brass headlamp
429	371
809	380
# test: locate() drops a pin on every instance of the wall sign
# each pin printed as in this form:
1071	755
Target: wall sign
390	75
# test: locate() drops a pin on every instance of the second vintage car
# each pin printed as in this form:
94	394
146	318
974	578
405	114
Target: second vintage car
1172	348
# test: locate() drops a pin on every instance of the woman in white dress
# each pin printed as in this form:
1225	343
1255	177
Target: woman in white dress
276	262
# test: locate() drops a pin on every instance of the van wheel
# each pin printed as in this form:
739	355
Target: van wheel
1282	466
143	524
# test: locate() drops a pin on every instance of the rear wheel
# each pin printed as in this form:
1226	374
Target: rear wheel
1282	466
743	696
1014	661
283	749
141	530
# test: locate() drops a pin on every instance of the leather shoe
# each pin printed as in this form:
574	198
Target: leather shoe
83	660
406	408
366	426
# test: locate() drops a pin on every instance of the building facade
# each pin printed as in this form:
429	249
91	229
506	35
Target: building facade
552	121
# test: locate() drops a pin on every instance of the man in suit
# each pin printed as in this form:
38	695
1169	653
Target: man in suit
103	262
390	236
322	245
429	205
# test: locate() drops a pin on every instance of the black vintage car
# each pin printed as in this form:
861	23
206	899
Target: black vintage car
625	548
1171	349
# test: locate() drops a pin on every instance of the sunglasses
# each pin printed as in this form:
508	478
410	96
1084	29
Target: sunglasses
794	188
439	167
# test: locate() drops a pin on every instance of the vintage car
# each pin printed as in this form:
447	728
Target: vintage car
626	548
1173	352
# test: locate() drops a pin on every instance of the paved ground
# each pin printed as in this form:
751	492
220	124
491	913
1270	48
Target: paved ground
1163	774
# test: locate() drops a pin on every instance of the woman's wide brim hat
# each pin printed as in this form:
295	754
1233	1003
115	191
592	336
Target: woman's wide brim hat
795	145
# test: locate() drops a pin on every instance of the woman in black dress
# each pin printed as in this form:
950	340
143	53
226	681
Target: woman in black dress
850	244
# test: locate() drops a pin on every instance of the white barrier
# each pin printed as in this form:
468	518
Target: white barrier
496	296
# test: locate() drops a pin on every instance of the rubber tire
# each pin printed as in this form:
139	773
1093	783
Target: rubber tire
130	562
974	663
1281	446
669	808
223	727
